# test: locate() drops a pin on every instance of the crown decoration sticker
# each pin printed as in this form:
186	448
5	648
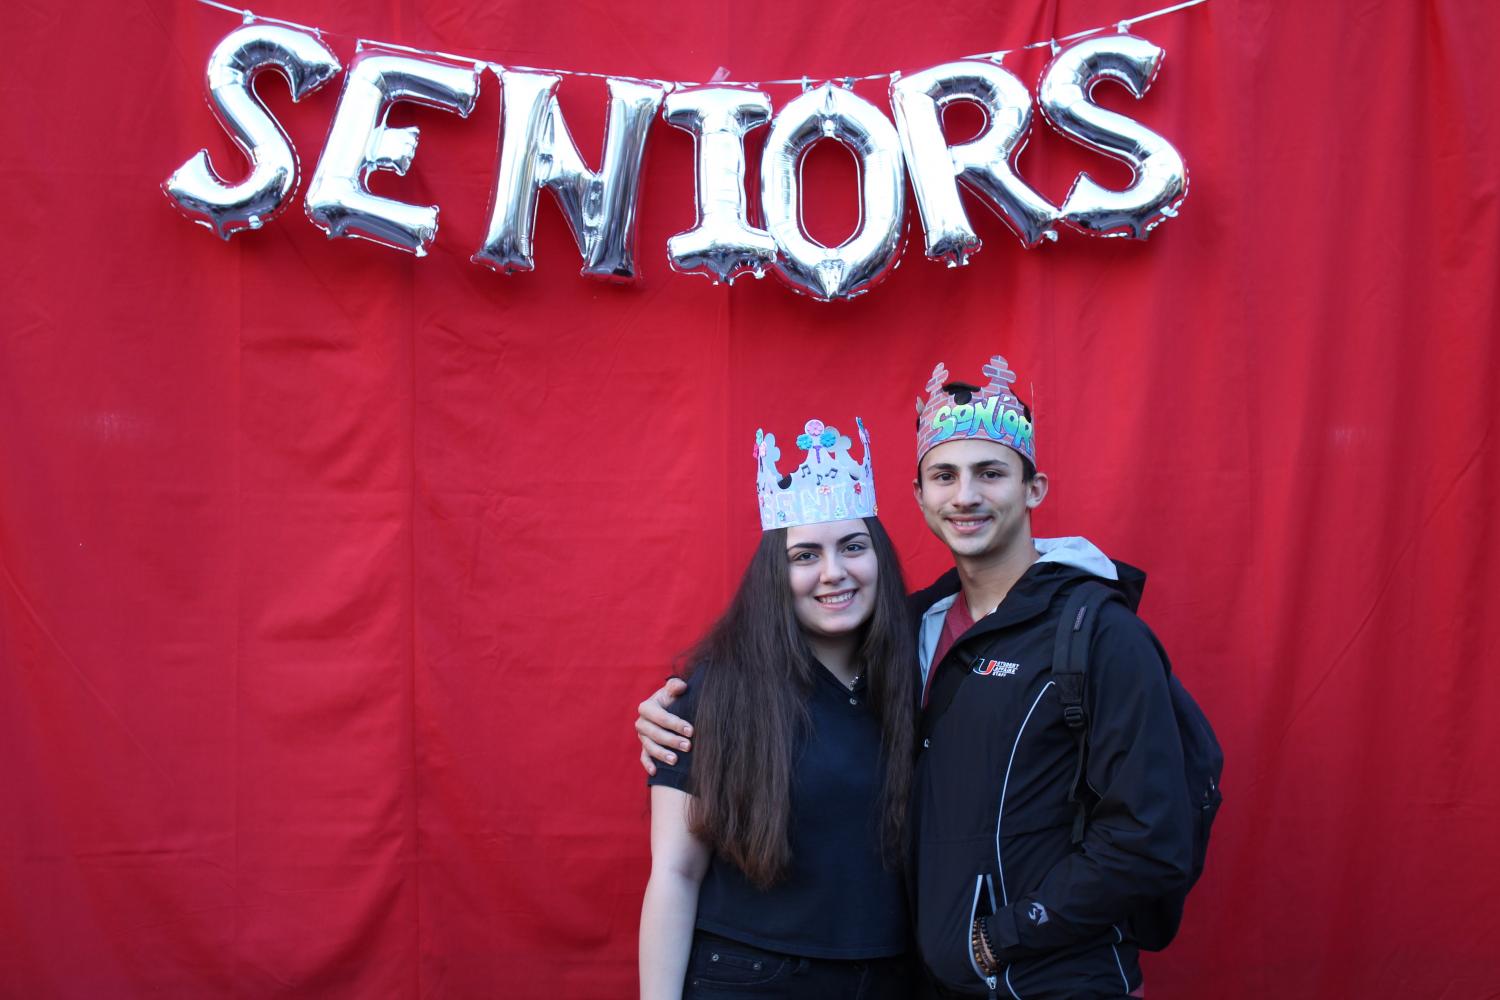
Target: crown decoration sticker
829	485
955	411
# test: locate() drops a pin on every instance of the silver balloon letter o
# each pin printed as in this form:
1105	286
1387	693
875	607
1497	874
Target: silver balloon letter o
853	266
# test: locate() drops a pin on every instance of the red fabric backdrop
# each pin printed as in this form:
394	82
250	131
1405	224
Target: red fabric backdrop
330	578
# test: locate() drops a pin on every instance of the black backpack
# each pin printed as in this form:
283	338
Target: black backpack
1154	926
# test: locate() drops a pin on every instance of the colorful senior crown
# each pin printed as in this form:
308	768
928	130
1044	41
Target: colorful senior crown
828	486
955	411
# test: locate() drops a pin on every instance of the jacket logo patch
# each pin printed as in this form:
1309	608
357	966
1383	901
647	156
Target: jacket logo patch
994	668
1037	913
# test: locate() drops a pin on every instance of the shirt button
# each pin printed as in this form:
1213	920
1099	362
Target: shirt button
854	701
926	744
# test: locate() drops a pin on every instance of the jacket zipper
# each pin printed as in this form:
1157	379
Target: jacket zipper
999	816
1005	788
989	981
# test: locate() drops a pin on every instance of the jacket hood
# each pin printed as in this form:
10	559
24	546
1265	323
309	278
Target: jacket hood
1078	552
1081	554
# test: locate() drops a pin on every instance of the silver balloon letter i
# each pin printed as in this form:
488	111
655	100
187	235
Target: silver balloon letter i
723	244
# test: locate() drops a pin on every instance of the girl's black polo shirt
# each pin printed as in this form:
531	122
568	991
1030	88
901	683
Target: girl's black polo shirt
838	900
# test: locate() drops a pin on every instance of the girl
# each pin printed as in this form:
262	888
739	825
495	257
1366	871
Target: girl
776	847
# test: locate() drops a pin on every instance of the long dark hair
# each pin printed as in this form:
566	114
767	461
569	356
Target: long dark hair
756	673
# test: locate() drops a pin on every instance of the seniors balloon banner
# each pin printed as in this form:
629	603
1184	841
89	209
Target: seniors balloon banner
537	152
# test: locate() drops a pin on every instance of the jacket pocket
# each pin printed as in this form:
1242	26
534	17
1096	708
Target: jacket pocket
983	906
954	881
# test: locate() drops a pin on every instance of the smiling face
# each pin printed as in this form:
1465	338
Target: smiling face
975	497
833	569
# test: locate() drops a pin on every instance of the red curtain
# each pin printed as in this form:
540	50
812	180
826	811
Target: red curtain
330	578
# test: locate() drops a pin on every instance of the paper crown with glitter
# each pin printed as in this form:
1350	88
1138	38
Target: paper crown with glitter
955	411
828	486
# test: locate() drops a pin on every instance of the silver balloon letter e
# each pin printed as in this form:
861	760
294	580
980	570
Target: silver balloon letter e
359	142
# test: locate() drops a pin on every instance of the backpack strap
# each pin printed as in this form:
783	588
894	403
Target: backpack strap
1070	667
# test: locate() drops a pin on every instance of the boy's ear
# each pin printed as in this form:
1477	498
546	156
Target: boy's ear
1036	491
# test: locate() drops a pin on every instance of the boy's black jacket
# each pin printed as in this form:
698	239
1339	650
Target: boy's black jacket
992	819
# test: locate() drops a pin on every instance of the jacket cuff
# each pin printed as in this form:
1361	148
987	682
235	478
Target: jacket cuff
1001	932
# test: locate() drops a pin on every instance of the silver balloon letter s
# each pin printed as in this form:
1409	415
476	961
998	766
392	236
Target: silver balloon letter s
851	268
196	188
1160	182
537	151
359	142
723	244
984	164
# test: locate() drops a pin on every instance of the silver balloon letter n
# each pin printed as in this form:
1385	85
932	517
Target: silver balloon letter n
537	151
